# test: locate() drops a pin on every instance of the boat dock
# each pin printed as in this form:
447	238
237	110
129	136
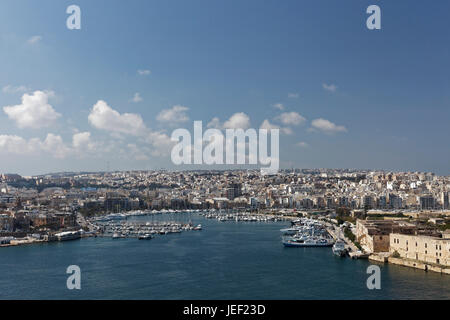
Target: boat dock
136	230
244	217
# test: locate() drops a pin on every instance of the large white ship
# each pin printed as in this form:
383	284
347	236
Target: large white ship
68	235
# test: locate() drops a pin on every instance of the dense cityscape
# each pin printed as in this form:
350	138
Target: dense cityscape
378	212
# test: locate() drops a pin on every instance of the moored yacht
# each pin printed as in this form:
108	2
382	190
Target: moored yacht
308	242
146	236
339	248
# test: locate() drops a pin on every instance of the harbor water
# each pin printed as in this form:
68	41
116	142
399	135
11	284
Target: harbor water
226	260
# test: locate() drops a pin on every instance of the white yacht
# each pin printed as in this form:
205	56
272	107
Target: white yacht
339	248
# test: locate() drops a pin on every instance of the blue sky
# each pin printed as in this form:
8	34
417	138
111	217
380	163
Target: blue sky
387	92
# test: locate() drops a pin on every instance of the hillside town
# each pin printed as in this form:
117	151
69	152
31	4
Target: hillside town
398	217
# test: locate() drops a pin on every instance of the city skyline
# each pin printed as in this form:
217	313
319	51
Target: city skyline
110	94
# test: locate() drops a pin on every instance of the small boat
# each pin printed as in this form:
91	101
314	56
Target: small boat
198	227
146	236
118	236
339	248
290	231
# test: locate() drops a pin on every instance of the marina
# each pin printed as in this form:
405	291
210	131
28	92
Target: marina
224	216
306	232
143	231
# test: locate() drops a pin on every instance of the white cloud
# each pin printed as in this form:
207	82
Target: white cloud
214	123
269	126
293	95
278	106
291	118
238	120
326	126
161	142
137	152
302	144
105	118
12	89
53	145
14	144
329	87
174	115
34	112
144	72
34	39
137	97
81	141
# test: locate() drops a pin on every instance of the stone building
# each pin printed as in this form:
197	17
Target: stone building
373	235
421	248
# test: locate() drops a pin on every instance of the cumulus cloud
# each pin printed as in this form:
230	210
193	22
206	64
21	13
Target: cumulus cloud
214	123
329	87
15	144
161	143
278	106
34	112
291	118
144	72
326	126
293	95
103	117
81	141
176	114
238	120
136	152
137	98
269	126
34	39
53	145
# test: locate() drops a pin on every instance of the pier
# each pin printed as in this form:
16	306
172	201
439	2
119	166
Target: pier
136	229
